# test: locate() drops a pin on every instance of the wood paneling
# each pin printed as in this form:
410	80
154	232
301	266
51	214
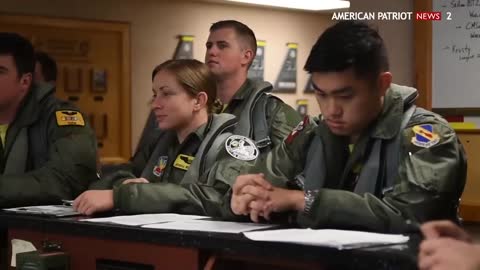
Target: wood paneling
93	59
470	203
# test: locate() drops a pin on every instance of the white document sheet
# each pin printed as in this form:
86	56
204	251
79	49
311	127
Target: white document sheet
19	246
210	226
331	238
45	210
137	220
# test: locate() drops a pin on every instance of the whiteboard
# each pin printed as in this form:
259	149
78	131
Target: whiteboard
456	54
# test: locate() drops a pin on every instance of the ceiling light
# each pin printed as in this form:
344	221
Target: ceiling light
316	5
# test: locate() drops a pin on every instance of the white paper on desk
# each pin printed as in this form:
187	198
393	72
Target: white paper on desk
20	246
331	238
137	220
209	226
49	210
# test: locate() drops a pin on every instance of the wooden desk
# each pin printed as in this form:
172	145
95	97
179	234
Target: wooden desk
470	203
91	243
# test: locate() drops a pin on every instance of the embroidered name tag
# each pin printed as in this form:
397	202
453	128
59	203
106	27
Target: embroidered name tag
183	162
69	118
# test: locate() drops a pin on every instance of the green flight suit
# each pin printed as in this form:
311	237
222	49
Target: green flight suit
428	181
281	118
168	167
49	153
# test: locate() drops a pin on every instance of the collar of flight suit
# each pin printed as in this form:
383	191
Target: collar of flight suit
29	110
396	100
244	91
28	113
215	121
201	131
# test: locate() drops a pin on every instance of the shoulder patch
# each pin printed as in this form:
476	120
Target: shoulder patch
69	118
424	136
297	130
183	162
241	147
160	166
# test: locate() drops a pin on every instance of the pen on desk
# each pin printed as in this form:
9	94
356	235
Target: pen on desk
412	227
67	202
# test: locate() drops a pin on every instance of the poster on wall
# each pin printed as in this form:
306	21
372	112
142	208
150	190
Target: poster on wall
287	79
184	48
302	107
257	68
99	80
73	79
309	86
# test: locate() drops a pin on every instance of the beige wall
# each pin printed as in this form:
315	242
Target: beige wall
155	24
398	36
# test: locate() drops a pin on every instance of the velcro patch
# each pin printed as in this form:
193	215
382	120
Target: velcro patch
424	136
183	162
297	129
160	166
241	147
69	118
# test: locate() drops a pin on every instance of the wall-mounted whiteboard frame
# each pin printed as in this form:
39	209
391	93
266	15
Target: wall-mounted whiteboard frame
447	101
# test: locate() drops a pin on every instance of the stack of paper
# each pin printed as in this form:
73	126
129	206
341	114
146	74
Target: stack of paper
209	226
45	210
138	220
331	238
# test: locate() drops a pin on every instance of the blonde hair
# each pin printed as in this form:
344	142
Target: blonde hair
194	76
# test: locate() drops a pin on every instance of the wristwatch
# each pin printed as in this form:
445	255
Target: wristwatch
310	196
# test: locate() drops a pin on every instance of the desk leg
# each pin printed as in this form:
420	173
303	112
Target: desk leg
4	258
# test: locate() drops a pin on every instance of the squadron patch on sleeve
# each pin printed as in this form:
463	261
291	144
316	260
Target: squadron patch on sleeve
297	130
424	136
69	118
241	148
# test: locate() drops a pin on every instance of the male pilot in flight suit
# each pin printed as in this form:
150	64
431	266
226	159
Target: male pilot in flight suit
374	159
48	152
